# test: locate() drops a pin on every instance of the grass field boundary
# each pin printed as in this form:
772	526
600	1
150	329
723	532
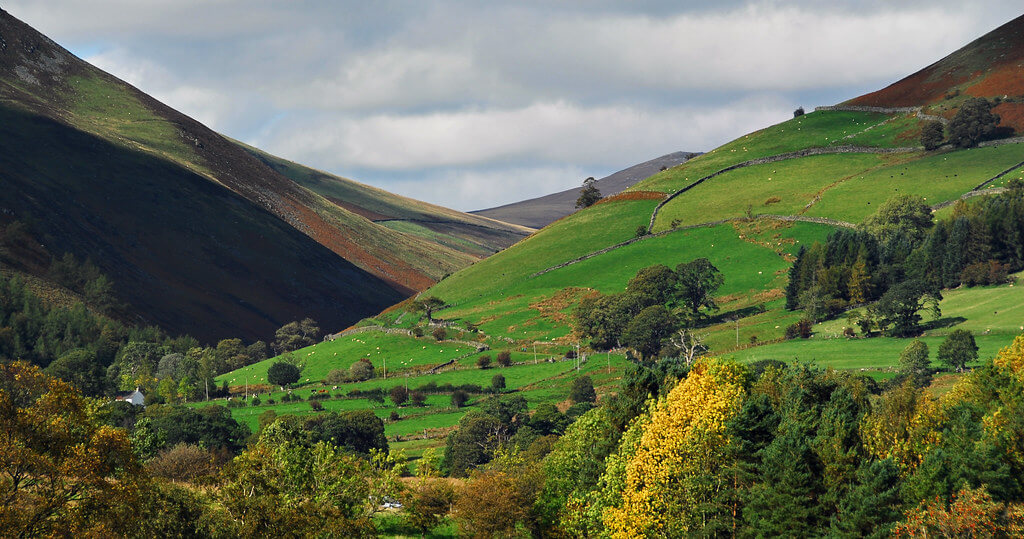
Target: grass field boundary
776	158
978	191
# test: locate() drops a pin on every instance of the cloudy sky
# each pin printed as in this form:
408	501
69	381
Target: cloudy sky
475	104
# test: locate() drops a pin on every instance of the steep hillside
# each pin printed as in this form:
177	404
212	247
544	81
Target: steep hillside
989	66
102	128
542	211
466	234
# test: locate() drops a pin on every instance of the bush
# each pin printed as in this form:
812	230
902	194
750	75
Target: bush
641	231
582	390
439	333
183	462
236	403
417	331
361	370
504	358
394	416
798	112
417	398
484	362
459	398
399	395
498	382
316	405
800	329
255	401
336	376
318	396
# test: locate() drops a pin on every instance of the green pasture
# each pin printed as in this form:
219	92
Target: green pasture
853	354
584	232
812	130
401	352
897	131
782	188
936	177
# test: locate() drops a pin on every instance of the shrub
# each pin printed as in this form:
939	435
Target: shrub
498	382
582	390
417	331
255	401
439	333
504	358
459	398
800	329
183	462
319	396
798	112
641	231
417	398
316	405
484	362
772	200
394	416
361	370
336	376
399	395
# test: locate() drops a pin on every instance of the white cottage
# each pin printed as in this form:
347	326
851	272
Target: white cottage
134	397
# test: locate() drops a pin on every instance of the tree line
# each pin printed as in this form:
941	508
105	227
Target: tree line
902	259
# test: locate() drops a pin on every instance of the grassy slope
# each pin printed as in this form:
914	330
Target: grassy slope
502	296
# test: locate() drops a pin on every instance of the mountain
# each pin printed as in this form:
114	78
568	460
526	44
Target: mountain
989	66
542	211
751	208
198	234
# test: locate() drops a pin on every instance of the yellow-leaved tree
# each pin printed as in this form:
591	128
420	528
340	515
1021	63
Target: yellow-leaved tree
673	472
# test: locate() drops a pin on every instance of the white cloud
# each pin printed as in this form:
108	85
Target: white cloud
556	132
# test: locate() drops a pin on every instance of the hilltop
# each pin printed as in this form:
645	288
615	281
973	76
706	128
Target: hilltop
542	211
198	233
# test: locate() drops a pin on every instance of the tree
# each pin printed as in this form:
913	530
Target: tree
472	444
899	307
484	361
295	335
459	398
283	374
654	283
504	358
439	333
63	473
498	383
646	332
958	349
417	398
428	305
698	280
589	194
80	368
932	135
901	217
671	475
399	394
582	390
689	344
915	364
798	112
973	123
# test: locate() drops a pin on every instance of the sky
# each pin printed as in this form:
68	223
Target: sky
476	104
